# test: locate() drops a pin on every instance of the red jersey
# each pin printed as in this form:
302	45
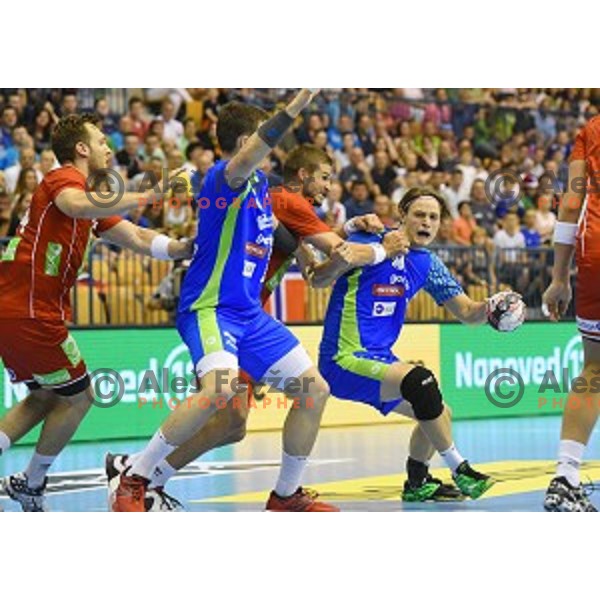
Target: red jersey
587	147
297	214
40	265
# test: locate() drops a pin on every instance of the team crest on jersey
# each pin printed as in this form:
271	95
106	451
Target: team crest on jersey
384	309
11	375
255	250
264	221
389	291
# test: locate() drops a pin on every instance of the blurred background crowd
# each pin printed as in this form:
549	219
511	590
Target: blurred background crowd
382	142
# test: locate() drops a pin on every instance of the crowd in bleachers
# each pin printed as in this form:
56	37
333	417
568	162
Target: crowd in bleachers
382	142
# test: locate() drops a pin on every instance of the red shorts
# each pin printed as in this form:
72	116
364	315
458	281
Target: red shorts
587	294
40	353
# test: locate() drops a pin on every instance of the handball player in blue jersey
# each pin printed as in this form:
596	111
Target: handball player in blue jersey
364	319
221	318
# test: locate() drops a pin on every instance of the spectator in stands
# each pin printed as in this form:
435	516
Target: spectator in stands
357	170
464	224
21	206
8	157
360	203
384	209
469	171
532	236
129	158
173	129
428	156
152	148
190	134
482	209
27	182
366	134
477	266
42	130
150	176
383	174
512	261
342	155
452	191
5	212
26	161
139	122
545	219
69	104
332	211
47	162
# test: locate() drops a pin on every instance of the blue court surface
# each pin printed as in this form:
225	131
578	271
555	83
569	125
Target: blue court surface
357	468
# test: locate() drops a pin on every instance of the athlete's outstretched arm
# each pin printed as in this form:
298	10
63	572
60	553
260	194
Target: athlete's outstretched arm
81	204
558	295
147	241
466	310
261	142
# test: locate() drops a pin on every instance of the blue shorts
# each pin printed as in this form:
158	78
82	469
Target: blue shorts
357	377
261	345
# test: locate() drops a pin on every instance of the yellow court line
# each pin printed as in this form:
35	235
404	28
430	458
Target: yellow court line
513	477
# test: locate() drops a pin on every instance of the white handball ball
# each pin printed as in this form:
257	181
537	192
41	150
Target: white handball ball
506	311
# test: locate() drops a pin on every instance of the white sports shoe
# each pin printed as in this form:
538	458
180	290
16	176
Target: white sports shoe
17	488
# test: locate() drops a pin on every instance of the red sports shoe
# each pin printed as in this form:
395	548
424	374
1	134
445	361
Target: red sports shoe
130	494
301	500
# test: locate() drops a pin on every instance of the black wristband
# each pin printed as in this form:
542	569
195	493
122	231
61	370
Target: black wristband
272	131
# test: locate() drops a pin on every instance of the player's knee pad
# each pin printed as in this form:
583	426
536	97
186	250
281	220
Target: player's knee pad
420	388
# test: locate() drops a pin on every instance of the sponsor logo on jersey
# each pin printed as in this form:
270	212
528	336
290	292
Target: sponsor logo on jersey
402	279
384	309
264	222
265	240
390	291
249	268
255	250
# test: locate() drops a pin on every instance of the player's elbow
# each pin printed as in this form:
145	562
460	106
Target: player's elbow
71	207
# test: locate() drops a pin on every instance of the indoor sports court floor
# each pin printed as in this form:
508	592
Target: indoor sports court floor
358	468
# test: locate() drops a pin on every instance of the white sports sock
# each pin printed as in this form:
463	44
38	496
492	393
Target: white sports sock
452	458
37	469
4	442
290	474
157	449
570	455
162	473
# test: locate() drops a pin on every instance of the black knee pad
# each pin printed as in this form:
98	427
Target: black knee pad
420	388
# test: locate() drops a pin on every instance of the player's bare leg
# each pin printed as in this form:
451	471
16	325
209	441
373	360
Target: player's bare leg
565	493
26	415
187	420
226	426
418	387
299	435
60	423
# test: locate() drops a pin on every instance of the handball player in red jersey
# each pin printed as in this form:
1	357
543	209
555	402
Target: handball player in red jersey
37	271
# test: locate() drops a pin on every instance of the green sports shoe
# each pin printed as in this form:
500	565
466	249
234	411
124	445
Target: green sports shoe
445	492
419	493
470	482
